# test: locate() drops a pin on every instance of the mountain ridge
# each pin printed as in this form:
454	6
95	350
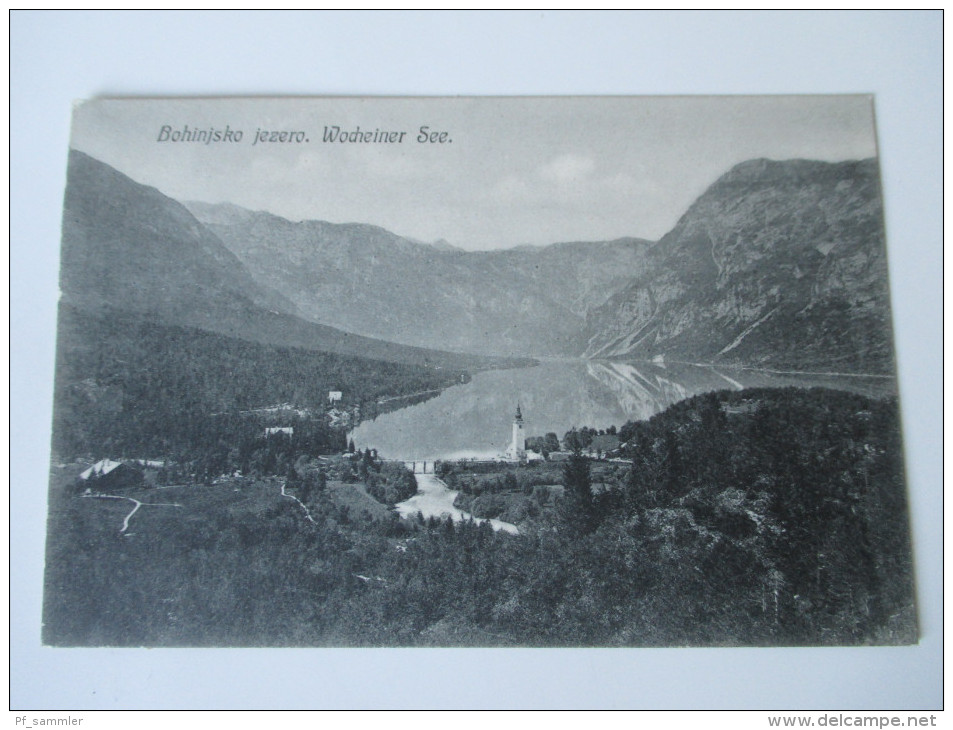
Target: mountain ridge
504	302
128	248
778	263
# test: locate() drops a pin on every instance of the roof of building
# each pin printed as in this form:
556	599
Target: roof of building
605	442
100	468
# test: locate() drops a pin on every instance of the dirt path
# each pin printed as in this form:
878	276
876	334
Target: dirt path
307	512
138	504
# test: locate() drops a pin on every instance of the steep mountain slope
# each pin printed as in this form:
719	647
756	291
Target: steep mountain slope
581	274
777	264
128	244
127	248
368	280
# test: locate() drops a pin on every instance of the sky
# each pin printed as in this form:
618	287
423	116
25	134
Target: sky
508	171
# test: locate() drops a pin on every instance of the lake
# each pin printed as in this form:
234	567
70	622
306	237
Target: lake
474	420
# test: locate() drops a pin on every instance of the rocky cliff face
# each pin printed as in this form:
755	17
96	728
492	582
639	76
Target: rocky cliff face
777	264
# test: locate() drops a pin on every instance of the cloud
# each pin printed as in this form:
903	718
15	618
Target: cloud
568	168
563	179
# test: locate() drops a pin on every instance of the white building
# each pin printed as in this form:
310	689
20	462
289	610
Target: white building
287	430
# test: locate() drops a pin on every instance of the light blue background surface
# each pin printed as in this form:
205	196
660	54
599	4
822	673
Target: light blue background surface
58	57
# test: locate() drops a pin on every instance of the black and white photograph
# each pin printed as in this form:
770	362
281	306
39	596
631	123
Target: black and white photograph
476	372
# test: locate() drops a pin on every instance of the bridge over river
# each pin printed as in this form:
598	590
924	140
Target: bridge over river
421	467
435	499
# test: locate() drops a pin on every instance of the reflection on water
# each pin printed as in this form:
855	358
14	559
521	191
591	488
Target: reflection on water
475	419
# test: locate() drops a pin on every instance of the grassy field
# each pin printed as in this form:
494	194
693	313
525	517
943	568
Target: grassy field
235	559
357	501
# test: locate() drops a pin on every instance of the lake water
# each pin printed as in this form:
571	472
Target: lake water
475	419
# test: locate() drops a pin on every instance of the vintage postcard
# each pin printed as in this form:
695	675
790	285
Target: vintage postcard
509	372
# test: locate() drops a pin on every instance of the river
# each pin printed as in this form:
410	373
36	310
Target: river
435	499
474	420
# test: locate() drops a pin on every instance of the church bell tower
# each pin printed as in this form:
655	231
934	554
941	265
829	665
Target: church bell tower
517	449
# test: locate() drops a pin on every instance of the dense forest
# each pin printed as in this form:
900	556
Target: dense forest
758	517
130	387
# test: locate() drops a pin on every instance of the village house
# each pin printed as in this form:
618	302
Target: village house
106	475
287	430
603	445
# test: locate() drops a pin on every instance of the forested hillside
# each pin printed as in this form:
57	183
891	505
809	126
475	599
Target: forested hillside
164	336
788	528
126	386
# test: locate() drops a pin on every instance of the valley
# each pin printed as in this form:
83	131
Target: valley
723	467
779	264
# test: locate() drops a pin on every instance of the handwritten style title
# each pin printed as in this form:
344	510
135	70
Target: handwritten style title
332	135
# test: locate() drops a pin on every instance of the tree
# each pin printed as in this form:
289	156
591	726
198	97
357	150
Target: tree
305	487
573	440
292	478
673	465
367	458
577	507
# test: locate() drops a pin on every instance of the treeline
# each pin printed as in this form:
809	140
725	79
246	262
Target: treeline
576	439
760	517
477	479
387	482
127	386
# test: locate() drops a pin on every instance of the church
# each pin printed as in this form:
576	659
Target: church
517	449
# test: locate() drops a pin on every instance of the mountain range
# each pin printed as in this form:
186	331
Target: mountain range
779	264
129	249
367	280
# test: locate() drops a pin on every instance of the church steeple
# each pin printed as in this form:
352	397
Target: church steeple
517	449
